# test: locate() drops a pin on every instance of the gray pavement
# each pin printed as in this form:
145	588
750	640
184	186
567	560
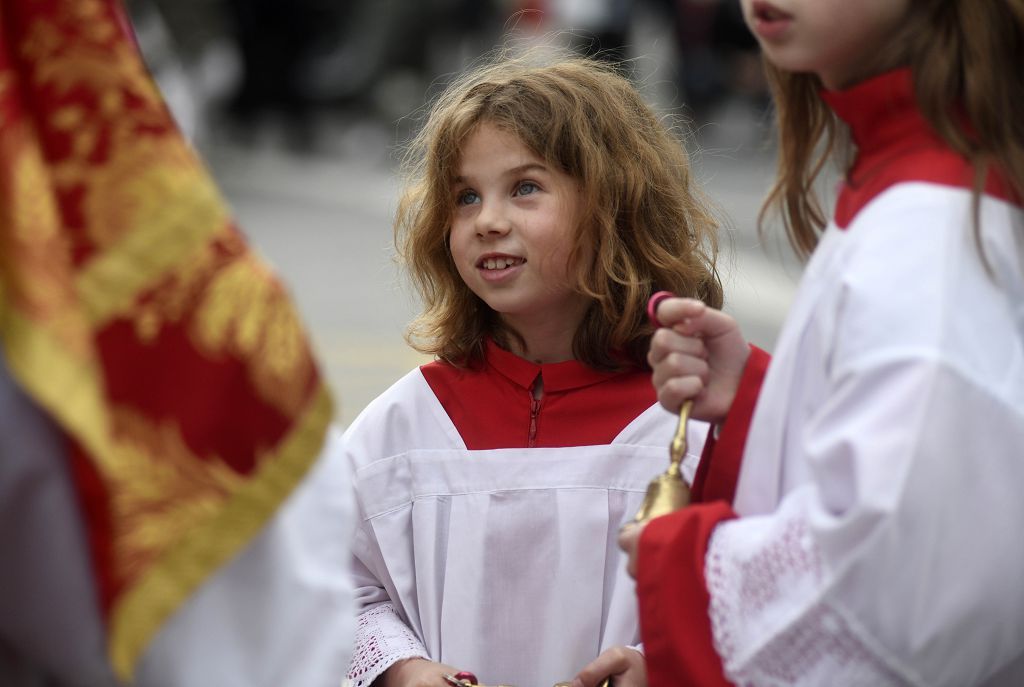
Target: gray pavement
324	221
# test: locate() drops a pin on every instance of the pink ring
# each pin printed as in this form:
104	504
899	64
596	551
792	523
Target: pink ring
652	305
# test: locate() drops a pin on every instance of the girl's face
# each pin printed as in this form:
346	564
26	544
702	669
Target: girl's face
513	230
842	41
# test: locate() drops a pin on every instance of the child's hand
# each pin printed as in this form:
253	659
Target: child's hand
624	665
415	672
629	540
698	353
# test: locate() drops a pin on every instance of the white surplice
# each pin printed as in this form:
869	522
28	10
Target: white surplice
888	444
503	561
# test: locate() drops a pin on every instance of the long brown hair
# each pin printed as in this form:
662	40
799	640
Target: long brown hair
965	57
645	225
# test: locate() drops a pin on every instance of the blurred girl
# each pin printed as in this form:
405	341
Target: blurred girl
881	460
546	204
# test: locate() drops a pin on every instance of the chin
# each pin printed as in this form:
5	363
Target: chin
787	61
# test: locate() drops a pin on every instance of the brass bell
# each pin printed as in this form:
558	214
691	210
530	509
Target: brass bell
668	492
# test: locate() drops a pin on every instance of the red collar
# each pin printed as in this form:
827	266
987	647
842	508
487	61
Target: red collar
881	112
563	376
895	143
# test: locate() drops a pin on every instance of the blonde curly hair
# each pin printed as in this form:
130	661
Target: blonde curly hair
645	224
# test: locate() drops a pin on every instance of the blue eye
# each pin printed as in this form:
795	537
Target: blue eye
526	188
467	197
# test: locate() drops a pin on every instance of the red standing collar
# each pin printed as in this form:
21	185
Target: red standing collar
563	376
895	143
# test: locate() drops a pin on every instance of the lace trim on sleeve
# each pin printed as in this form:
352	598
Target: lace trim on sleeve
381	640
770	624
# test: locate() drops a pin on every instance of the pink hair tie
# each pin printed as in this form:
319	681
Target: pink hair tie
652	305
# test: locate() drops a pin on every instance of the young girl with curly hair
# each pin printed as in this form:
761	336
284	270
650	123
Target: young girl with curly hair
546	203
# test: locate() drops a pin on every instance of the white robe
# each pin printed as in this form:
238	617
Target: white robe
503	562
886	452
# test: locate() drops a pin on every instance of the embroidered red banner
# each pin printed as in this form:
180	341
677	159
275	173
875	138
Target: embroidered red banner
133	311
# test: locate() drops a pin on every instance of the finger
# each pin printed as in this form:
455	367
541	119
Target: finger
673	392
611	662
679	365
673	389
666	341
629	534
672	311
708	323
629	538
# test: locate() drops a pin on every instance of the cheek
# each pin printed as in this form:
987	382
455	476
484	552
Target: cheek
460	257
557	265
456	240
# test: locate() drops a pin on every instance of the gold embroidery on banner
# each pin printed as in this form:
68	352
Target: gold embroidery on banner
151	207
34	213
147	200
72	392
35	259
176	231
157	228
109	70
237	309
162	489
180	570
266	332
173	301
145	185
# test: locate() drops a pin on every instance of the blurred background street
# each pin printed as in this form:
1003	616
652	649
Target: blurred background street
300	109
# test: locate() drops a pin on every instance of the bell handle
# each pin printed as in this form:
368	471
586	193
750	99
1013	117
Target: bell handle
677	449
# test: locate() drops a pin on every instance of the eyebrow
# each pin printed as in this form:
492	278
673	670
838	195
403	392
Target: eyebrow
514	171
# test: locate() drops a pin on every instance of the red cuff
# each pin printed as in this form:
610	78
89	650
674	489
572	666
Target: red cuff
719	466
675	625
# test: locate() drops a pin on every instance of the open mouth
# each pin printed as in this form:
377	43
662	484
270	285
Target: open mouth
767	12
499	263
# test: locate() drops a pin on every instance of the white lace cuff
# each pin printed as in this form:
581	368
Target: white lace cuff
382	639
770	621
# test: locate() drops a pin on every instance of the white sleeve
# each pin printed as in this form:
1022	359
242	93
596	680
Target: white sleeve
899	562
280	614
382	634
382	639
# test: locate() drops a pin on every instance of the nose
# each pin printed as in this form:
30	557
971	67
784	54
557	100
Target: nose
492	220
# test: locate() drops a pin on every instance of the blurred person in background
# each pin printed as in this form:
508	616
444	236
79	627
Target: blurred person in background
173	511
276	40
717	55
304	58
